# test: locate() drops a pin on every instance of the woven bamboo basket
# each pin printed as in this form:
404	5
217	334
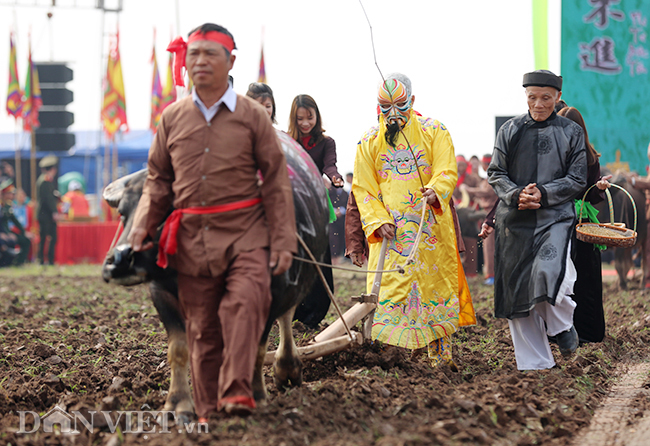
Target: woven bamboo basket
611	234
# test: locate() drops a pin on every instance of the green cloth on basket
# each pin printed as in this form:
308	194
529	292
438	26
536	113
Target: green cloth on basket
589	213
331	207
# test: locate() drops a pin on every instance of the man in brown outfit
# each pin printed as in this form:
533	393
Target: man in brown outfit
228	233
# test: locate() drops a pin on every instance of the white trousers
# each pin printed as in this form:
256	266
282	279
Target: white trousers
529	334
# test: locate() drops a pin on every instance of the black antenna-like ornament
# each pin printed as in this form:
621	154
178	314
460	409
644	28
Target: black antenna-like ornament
374	54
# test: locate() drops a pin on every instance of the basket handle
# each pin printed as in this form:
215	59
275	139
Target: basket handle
609	202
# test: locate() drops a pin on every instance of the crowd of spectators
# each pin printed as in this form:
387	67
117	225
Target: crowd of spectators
474	198
19	228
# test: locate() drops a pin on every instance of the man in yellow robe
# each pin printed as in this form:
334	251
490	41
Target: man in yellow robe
405	163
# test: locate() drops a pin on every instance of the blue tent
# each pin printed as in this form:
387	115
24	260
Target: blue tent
87	155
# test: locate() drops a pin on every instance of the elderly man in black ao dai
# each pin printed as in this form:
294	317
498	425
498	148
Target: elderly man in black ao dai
538	167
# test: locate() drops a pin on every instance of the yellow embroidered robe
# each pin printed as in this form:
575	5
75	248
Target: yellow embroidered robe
431	300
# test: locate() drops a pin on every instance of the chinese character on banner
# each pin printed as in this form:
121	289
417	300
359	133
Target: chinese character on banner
601	13
633	60
636	51
638	23
599	56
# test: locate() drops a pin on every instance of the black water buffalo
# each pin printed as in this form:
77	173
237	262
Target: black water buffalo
624	213
124	267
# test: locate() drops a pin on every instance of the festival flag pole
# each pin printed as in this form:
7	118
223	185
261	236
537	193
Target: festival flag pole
261	77
157	98
169	92
18	169
32	166
31	106
115	160
15	104
107	158
113	107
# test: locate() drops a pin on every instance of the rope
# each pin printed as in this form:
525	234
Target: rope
117	234
416	242
329	291
372	40
399	269
409	260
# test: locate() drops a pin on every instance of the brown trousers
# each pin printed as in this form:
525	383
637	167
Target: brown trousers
224	319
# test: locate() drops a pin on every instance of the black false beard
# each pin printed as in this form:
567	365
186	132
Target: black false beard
392	130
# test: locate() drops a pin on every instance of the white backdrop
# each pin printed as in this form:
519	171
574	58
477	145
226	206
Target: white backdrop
465	58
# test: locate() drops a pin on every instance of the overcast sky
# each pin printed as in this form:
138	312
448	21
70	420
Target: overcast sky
465	58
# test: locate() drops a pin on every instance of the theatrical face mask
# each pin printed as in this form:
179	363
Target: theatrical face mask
394	102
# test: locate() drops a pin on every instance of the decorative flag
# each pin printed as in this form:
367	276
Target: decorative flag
540	34
32	102
169	91
262	76
14	94
114	104
156	94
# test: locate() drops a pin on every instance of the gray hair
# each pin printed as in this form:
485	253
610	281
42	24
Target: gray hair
403	78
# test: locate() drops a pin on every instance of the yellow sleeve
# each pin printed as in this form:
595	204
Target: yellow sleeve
444	172
365	186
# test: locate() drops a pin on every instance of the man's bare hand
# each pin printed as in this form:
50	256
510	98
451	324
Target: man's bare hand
136	238
431	196
534	192
486	230
357	259
528	204
338	182
386	231
530	197
280	261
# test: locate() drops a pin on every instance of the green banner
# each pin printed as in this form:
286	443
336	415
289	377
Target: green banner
605	63
540	33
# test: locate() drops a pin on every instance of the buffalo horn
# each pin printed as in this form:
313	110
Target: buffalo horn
113	192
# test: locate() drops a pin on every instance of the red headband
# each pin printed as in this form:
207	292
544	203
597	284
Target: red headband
179	47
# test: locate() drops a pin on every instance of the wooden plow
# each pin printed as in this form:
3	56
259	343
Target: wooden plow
338	336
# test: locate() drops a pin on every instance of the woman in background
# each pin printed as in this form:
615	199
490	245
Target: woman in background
263	94
305	126
315	305
589	317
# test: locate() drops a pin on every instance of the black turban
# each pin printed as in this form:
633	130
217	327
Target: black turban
543	78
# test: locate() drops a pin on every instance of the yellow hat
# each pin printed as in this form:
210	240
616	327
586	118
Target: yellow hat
48	161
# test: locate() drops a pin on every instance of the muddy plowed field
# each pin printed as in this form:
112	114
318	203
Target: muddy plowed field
69	340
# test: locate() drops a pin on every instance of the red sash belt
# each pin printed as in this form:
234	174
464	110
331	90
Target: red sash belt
168	243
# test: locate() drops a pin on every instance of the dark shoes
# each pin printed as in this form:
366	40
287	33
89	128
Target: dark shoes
568	341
